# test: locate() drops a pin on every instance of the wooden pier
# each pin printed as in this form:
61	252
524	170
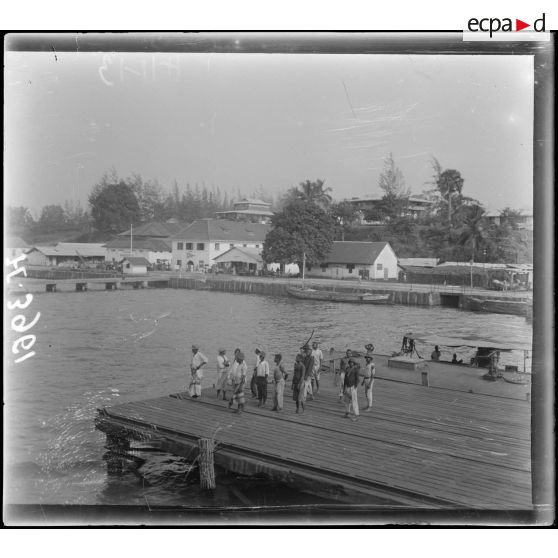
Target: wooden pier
420	447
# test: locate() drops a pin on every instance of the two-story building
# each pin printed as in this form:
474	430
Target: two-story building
354	259
415	206
196	246
250	210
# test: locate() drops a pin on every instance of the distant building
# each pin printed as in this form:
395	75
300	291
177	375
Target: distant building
14	246
134	266
416	206
196	246
68	254
525	218
251	210
352	259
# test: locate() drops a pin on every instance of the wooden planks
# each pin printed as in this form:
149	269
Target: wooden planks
465	449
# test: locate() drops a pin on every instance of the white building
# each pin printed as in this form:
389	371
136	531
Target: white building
134	266
352	259
251	210
196	246
155	250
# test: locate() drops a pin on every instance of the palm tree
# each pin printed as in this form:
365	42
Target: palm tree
474	231
314	192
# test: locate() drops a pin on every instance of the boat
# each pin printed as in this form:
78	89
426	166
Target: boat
334	296
498	305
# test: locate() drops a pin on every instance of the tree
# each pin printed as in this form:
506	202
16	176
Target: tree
301	233
19	219
474	231
114	207
52	218
346	217
310	192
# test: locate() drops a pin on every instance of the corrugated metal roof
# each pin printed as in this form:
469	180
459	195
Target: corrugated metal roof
73	249
155	228
236	254
222	229
353	252
152	244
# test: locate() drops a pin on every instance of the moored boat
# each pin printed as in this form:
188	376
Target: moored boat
498	306
334	296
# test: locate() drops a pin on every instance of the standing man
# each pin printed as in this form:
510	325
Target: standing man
223	365
344	364
253	388
238	378
198	361
308	363
262	373
318	357
350	398
298	383
368	380
279	379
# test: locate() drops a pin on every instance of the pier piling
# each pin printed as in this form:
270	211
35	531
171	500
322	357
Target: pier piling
425	382
207	467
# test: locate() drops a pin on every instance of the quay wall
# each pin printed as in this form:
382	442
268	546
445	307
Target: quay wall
253	286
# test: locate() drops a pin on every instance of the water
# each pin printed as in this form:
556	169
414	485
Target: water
104	348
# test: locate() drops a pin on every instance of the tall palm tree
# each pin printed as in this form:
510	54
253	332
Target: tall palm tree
314	192
474	231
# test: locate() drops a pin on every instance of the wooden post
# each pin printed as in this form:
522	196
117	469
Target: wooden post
425	379
207	468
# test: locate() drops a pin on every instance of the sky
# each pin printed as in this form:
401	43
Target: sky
241	121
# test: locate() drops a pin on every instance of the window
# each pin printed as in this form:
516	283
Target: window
324	268
245	245
350	267
379	267
217	246
179	263
180	246
200	246
257	245
189	246
127	265
231	245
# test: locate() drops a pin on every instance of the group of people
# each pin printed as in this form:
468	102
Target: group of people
305	383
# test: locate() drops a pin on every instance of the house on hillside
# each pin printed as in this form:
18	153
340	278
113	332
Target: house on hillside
196	246
68	254
352	259
14	246
415	206
249	210
134	266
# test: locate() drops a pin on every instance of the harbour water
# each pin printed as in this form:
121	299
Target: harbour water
100	348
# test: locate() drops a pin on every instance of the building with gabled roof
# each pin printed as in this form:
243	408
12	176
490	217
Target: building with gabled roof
134	265
156	250
241	260
154	229
197	245
68	254
354	259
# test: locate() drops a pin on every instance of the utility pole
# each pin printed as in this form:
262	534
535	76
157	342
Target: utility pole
131	238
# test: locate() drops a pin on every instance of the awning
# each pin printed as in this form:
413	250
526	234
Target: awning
240	255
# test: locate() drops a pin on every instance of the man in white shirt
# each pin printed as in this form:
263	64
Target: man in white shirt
317	370
223	365
198	361
368	380
262	373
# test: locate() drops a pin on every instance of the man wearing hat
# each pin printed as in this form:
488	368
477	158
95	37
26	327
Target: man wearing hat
368	380
350	398
238	379
223	365
198	361
262	374
279	379
308	362
343	365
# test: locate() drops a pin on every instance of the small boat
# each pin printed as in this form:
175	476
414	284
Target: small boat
498	306
333	296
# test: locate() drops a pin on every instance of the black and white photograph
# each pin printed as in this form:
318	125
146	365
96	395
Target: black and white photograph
259	277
